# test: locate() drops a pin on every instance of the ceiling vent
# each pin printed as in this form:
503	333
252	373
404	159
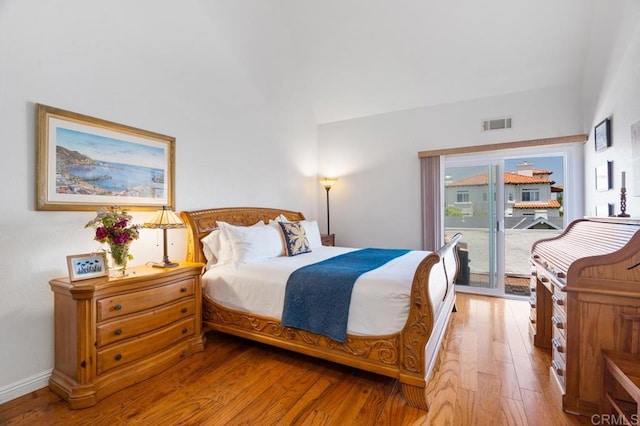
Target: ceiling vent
496	124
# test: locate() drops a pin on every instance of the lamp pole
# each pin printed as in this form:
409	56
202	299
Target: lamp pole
328	227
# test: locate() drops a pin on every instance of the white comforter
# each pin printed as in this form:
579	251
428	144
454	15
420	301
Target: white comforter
379	302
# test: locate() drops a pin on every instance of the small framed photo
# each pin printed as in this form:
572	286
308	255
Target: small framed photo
602	135
604	176
604	210
88	265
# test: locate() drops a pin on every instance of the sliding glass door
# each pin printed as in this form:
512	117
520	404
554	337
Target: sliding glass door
470	208
502	204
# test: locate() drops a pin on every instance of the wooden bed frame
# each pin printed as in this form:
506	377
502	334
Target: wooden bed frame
410	355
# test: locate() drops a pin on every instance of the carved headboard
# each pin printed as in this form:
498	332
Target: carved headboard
201	222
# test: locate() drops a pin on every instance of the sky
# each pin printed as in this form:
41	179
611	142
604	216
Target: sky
111	150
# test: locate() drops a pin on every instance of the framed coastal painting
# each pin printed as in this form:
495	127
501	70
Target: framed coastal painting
84	162
85	266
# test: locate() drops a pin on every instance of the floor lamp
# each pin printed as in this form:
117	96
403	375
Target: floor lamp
328	182
164	219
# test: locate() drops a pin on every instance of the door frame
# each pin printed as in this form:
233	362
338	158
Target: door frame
573	200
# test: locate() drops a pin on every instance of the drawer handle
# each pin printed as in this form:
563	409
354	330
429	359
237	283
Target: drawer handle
117	332
532	303
118	357
534	273
183	289
556	344
183	310
184	330
532	289
544	279
117	307
557	368
557	322
558	301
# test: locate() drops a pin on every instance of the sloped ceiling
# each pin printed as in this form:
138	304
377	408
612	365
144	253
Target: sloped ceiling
365	57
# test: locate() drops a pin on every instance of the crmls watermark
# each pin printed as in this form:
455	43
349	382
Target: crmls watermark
614	419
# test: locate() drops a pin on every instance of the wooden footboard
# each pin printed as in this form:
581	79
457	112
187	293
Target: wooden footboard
410	355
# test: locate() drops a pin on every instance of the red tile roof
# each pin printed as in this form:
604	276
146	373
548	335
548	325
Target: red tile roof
516	179
542	172
552	204
509	178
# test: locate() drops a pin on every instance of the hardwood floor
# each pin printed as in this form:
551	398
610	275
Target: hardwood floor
490	374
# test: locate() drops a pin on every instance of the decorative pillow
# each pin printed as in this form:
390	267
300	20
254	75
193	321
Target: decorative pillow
295	239
312	231
253	243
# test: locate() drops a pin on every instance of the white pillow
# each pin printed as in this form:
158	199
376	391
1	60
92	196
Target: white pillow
280	218
313	232
253	243
216	248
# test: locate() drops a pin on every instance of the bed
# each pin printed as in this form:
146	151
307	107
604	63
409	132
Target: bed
410	352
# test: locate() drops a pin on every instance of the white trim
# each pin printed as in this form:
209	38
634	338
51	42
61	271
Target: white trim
24	386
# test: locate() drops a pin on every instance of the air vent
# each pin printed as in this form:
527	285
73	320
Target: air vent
496	124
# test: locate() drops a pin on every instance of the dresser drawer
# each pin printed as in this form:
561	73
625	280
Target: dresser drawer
558	323
559	345
120	354
559	299
558	367
124	304
120	329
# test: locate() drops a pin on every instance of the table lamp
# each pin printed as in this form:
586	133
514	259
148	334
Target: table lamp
164	219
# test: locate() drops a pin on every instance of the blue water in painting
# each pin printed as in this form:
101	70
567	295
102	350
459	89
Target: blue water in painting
117	176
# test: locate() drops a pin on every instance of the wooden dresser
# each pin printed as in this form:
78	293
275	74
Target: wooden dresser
585	299
113	333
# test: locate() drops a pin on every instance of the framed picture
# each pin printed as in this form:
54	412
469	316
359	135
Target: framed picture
84	162
604	176
89	265
635	159
602	135
604	210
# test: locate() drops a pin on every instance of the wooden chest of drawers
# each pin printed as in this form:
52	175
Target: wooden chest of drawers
112	333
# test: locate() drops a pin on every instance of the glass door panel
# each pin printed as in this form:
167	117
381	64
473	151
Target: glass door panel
534	196
470	208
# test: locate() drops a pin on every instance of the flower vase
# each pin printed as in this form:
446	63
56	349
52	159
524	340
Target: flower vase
119	258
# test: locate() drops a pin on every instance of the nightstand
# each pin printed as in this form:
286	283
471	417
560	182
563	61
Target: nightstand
328	239
111	333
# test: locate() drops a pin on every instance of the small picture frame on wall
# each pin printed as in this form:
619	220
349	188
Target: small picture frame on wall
604	176
602	135
88	265
604	210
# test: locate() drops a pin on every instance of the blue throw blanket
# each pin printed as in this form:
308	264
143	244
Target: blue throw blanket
317	296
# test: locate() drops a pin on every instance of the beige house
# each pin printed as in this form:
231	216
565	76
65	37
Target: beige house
529	193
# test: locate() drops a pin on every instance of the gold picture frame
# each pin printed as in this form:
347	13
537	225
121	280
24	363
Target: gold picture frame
87	265
84	162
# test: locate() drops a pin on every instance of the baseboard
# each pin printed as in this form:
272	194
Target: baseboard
23	387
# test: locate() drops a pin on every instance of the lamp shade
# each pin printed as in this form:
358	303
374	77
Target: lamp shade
164	219
328	182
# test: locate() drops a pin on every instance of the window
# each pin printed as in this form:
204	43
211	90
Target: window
529	194
462	197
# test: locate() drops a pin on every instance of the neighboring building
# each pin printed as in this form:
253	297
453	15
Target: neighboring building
531	200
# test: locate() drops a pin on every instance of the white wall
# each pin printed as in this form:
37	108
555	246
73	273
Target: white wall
376	201
612	89
221	77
